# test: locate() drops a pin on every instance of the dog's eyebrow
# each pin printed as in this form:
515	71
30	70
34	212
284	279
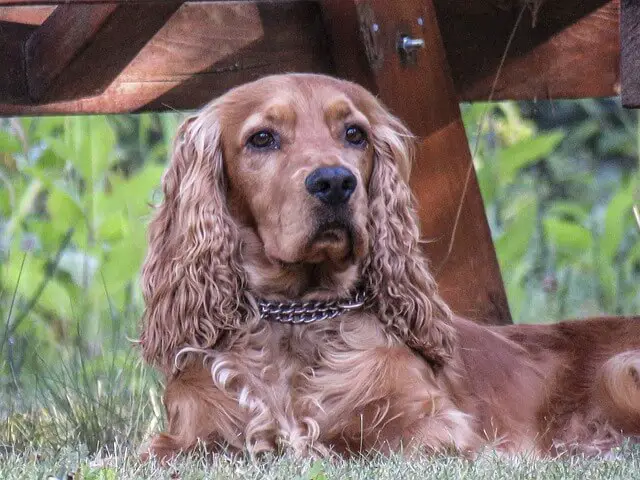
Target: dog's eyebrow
275	114
280	113
342	109
338	110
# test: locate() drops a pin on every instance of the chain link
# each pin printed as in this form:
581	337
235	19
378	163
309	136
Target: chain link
309	312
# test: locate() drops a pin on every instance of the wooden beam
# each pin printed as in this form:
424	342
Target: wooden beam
630	52
364	35
568	49
13	77
28	15
545	61
80	49
16	3
203	50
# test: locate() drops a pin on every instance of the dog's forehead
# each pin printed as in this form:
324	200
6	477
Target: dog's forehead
300	94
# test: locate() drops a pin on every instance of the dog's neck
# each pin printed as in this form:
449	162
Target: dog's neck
271	280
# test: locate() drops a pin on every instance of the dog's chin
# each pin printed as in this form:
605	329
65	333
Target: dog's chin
333	245
337	244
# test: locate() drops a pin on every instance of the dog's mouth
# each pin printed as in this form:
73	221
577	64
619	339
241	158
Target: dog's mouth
333	232
332	241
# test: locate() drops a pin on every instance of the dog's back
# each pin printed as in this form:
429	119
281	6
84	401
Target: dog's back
574	385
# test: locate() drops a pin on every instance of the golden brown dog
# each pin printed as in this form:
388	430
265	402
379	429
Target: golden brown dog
294	188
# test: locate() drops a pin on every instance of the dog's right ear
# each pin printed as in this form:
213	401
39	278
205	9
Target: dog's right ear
191	277
396	270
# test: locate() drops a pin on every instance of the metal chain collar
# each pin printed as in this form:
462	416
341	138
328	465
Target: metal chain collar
309	312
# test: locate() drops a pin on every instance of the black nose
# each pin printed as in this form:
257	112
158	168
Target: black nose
332	185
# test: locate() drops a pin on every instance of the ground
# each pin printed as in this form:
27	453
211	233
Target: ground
74	465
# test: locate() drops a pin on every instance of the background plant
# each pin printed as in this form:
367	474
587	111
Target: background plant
559	181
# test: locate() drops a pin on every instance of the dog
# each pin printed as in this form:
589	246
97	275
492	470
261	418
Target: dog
291	309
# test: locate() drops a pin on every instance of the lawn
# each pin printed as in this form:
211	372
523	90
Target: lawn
76	464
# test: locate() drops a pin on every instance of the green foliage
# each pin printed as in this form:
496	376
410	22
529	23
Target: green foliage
559	202
72	228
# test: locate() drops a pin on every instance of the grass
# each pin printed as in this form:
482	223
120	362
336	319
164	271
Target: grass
76	464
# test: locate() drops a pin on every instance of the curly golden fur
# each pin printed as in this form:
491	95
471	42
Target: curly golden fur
239	223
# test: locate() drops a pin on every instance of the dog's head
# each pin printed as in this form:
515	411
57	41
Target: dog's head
292	186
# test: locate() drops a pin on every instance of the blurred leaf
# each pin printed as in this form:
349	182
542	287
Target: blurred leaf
132	195
90	143
617	217
568	236
122	264
63	208
524	153
514	241
608	284
113	227
48	166
567	210
9	143
54	298
316	472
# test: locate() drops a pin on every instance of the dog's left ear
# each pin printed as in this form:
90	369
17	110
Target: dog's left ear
396	271
192	277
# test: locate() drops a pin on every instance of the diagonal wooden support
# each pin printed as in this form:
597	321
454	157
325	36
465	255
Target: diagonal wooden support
80	49
13	76
364	35
630	53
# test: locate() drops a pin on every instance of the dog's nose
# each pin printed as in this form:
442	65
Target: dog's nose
331	185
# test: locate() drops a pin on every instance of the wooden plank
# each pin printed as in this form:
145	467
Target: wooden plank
28	15
13	77
203	50
423	96
572	51
542	63
22	3
54	45
98	39
630	53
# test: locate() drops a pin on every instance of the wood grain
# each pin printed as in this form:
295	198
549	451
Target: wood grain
13	76
28	15
423	96
203	50
571	51
80	49
630	53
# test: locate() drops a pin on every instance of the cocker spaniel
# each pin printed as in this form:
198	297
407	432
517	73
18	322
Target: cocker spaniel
290	306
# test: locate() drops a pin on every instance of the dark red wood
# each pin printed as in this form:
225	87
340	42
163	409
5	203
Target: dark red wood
201	51
80	49
630	53
364	37
13	77
566	49
541	62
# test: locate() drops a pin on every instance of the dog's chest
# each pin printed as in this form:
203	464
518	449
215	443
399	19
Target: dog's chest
345	388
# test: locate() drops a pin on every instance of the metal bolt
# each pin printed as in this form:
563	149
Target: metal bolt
408	44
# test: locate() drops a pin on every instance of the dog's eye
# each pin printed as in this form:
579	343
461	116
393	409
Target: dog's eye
355	135
262	139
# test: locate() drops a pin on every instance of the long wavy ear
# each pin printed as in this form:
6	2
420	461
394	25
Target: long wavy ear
396	271
191	277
